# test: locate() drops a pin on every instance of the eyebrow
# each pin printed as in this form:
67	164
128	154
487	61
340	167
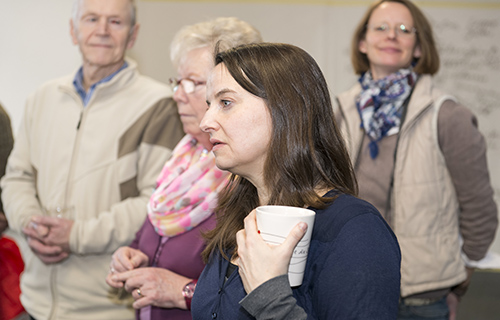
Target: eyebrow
92	13
223	91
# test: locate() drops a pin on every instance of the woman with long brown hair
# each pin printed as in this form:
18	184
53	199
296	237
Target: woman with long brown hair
271	124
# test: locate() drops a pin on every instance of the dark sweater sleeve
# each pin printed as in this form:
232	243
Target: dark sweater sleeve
464	150
6	144
273	300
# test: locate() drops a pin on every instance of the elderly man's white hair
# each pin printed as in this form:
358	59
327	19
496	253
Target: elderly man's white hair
78	3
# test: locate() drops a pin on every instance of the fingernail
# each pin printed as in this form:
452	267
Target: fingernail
303	226
258	231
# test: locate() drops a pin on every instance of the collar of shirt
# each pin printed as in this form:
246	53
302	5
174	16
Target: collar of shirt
78	83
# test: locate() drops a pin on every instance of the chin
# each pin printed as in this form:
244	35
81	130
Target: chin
222	166
189	128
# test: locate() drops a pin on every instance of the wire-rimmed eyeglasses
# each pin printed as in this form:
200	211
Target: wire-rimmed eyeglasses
400	29
189	85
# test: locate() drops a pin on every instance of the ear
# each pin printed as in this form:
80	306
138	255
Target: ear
133	36
72	31
362	46
417	52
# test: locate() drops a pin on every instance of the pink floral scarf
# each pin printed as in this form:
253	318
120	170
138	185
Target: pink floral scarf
186	190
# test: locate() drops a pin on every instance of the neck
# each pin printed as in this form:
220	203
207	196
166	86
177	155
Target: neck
321	191
93	74
378	73
262	191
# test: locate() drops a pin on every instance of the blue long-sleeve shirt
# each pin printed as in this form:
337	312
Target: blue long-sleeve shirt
352	272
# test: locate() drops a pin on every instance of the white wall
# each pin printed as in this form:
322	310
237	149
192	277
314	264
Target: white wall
35	46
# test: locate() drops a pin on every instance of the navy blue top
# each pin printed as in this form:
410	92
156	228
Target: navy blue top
352	272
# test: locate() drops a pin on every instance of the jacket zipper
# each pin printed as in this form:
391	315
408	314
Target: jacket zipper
53	274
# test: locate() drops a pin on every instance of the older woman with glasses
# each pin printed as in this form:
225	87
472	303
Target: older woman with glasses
419	158
161	266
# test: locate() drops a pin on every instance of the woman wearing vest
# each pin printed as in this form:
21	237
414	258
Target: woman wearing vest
419	158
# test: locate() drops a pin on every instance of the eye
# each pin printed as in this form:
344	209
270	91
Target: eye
382	27
115	21
90	19
208	104
404	29
225	103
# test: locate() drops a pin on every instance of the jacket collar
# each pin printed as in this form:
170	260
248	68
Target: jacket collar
123	79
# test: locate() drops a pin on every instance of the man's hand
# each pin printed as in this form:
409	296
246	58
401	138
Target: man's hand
48	254
48	238
52	231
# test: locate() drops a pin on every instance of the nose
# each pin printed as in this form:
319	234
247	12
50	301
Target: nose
391	33
180	95
208	123
102	26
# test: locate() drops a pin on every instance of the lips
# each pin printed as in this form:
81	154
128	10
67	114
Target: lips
101	46
390	49
216	143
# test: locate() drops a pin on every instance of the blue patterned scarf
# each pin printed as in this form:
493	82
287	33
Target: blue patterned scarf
379	104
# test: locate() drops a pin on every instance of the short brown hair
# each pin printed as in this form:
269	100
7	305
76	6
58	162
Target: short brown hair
428	63
306	151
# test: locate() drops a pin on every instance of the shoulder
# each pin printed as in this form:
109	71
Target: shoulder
144	92
345	106
454	118
56	83
4	116
152	84
343	210
347	97
453	110
50	90
147	92
145	83
348	206
133	83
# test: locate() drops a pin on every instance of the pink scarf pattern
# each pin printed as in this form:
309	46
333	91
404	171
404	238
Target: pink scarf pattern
186	189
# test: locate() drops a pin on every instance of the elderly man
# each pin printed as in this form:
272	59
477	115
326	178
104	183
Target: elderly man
83	167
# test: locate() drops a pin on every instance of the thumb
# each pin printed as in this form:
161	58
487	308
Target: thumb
45	220
138	261
295	236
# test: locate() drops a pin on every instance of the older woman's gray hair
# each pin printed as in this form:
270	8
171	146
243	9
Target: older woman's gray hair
226	32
